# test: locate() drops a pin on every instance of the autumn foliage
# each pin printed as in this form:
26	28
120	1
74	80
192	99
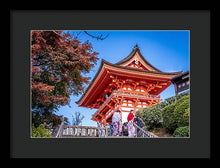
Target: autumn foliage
58	62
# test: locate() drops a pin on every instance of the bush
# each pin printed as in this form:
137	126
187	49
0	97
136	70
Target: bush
151	116
179	96
173	99
182	99
173	113
40	131
186	116
169	121
176	114
181	132
179	112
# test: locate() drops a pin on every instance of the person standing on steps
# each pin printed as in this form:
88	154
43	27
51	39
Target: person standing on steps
111	128
131	128
116	122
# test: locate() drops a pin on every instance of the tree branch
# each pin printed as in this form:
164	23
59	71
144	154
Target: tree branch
97	37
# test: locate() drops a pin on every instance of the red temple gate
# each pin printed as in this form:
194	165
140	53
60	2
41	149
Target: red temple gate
132	83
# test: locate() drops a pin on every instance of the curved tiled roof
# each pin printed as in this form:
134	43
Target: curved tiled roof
140	70
136	49
118	65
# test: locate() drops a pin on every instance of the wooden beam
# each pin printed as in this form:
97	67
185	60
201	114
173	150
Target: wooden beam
163	83
158	86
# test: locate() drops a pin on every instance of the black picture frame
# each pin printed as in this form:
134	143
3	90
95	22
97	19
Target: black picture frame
197	21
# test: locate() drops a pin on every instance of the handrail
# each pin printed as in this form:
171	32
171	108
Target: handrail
144	132
102	131
59	132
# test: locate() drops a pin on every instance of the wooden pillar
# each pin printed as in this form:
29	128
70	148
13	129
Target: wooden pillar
176	93
135	104
175	86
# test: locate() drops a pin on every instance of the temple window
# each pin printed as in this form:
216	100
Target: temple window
127	103
138	88
127	87
141	89
130	105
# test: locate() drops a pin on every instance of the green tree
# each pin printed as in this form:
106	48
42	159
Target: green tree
181	132
180	111
46	117
169	121
186	116
40	131
186	93
174	112
152	116
181	99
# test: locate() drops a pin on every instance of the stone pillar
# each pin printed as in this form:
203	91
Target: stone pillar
73	130
82	131
90	131
65	132
69	130
77	131
86	131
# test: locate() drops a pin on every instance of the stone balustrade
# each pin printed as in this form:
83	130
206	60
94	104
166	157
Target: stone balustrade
79	131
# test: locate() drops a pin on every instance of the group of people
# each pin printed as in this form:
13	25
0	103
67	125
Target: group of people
117	127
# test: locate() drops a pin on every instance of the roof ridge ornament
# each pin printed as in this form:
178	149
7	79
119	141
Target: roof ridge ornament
136	47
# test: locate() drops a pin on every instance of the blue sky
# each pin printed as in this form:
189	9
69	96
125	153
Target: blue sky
168	51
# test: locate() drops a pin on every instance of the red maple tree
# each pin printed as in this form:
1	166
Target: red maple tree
58	62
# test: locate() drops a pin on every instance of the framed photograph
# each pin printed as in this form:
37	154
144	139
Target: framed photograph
126	87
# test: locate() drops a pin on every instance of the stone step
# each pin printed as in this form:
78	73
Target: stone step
71	136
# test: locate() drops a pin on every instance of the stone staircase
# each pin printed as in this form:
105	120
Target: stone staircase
72	131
